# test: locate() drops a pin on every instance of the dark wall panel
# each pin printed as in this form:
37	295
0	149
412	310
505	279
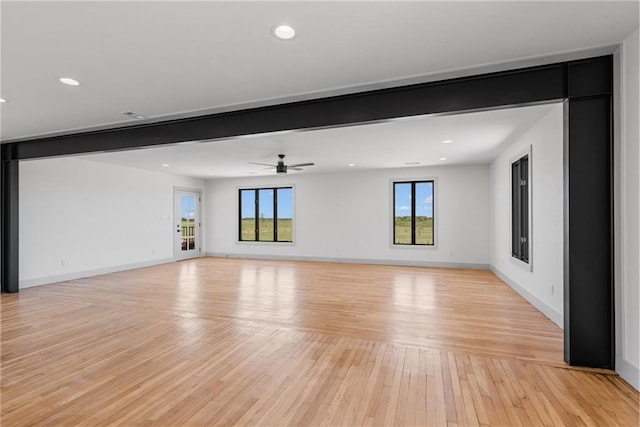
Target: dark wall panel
10	227
590	78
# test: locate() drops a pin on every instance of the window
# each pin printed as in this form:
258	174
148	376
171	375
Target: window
266	215
413	217
520	209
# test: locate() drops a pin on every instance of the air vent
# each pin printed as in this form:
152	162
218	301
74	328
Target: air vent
134	115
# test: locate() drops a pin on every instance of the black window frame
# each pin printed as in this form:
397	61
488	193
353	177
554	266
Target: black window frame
413	212
520	209
256	235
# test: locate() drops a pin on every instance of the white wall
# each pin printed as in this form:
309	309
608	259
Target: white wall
628	234
348	216
77	218
546	139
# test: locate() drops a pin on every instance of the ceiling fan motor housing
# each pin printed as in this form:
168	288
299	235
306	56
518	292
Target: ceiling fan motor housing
281	168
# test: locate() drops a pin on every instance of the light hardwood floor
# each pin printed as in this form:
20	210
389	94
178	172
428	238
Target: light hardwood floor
245	342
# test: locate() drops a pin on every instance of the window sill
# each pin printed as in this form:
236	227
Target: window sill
262	243
527	266
419	247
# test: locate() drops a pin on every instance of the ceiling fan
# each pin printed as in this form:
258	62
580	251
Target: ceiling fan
281	168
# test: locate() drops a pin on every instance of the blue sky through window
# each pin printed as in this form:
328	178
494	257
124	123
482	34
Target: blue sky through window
285	203
265	199
247	204
424	199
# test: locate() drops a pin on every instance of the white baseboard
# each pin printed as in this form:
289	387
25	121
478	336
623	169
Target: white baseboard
88	273
352	260
548	311
629	373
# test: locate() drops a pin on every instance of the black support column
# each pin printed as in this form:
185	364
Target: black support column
9	226
588	251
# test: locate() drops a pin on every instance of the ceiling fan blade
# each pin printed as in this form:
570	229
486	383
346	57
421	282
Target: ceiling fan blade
301	164
262	164
294	169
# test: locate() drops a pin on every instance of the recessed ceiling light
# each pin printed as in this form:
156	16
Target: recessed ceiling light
351	164
443	158
447	141
210	173
69	81
284	32
2	100
165	165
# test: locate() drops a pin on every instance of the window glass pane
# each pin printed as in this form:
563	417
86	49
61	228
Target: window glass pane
265	216
402	213
285	215
520	209
424	213
188	222
247	215
524	213
515	210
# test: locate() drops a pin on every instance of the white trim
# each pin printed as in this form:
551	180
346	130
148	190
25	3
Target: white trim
267	186
527	151
89	273
434	202
193	189
628	372
520	263
263	243
545	309
463	265
293	214
625	368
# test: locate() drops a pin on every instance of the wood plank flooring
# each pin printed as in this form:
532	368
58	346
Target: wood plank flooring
245	342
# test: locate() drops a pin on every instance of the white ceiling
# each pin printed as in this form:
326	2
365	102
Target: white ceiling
166	59
477	138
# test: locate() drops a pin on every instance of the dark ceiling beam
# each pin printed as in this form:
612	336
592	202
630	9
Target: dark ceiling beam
528	85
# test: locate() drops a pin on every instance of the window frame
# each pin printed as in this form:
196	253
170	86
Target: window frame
527	263
413	181
256	240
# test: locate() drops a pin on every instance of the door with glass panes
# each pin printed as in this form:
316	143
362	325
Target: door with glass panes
187	224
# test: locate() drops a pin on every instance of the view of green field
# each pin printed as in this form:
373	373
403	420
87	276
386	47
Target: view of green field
285	229
424	230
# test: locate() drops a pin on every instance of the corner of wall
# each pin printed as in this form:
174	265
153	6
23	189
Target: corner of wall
627	209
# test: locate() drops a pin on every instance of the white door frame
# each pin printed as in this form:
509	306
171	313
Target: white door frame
178	253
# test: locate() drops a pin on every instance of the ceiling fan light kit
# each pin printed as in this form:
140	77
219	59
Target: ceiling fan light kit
281	168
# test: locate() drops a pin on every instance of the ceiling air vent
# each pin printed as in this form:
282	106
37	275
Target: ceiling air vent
134	115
